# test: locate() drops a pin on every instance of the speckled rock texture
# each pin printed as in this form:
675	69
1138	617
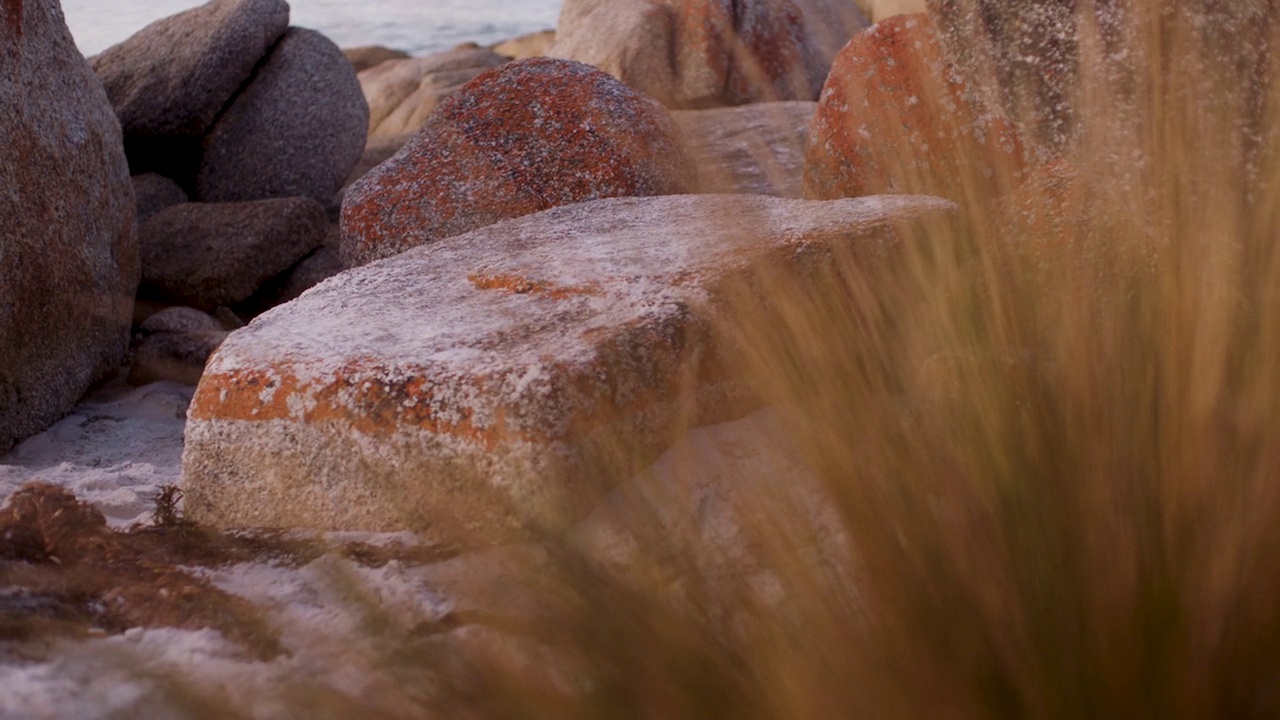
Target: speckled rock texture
401	93
893	118
751	149
297	129
468	388
704	53
208	254
174	76
367	56
524	137
68	245
155	193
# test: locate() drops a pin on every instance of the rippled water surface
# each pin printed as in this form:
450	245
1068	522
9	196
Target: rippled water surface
417	26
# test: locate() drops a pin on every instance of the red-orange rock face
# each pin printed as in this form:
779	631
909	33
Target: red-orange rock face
524	137
893	118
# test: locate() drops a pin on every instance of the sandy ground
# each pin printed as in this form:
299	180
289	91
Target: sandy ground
122	444
116	450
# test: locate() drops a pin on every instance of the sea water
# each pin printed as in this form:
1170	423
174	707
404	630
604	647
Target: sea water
415	26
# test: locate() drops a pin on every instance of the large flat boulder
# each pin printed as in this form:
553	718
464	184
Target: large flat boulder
522	137
68	245
297	128
472	387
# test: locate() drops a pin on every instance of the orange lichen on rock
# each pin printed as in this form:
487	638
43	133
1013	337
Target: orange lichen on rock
893	118
468	389
372	400
524	286
523	137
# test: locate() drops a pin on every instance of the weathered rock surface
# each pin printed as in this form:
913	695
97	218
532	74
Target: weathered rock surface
155	193
68	245
894	119
752	149
468	388
402	93
297	129
709	52
526	46
210	254
629	39
367	56
524	137
174	76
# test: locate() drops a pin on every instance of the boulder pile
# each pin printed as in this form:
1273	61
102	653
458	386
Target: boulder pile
517	281
239	131
233	104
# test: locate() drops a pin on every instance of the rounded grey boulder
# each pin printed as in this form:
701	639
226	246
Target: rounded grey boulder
298	127
68	245
173	76
155	193
179	319
210	254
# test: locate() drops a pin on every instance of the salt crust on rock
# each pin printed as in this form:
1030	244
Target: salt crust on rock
461	388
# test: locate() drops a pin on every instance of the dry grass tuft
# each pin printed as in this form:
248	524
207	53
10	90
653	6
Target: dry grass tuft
1049	430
